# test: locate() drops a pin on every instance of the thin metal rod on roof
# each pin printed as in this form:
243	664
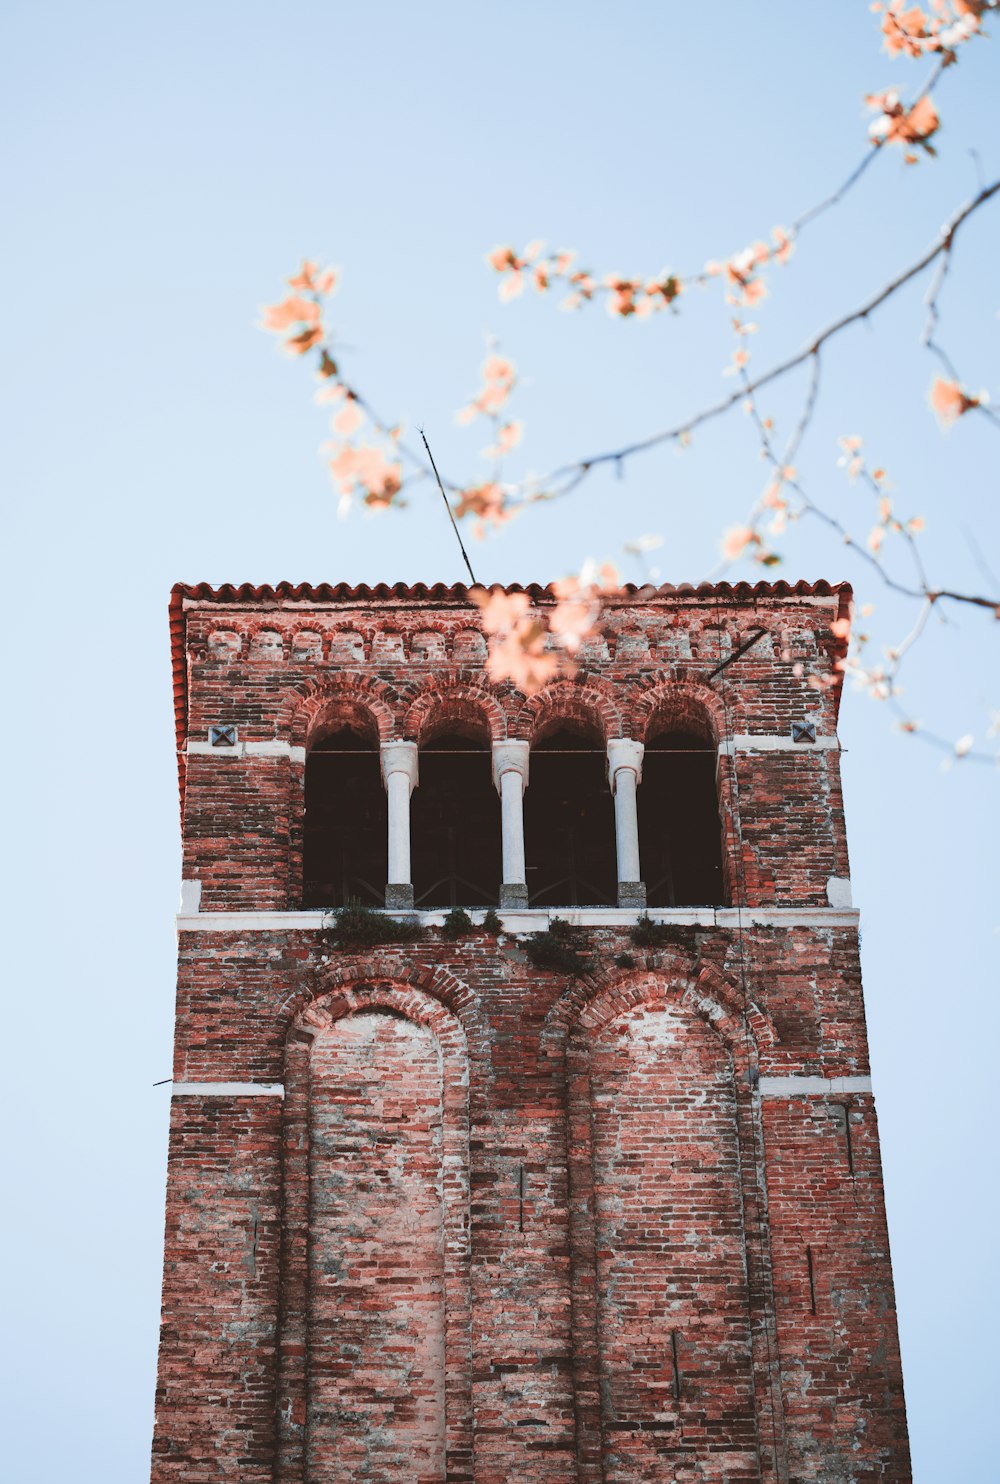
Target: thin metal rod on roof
451	513
757	634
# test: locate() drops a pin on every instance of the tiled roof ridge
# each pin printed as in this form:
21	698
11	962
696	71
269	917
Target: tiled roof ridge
326	592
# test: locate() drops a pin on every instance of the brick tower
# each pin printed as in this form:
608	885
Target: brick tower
514	1202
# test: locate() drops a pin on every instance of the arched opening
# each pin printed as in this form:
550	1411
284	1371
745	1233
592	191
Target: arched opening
345	828
569	821
455	822
680	833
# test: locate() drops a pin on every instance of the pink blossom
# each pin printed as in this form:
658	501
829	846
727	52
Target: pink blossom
512	286
501	611
498	368
501	258
735	541
349	419
291	311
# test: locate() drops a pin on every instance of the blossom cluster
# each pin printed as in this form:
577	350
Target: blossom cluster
852	459
634	296
911	31
531	647
363	460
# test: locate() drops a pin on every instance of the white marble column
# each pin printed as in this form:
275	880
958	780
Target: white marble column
625	773
400	776
510	777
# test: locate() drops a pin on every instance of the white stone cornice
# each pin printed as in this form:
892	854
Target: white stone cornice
535	919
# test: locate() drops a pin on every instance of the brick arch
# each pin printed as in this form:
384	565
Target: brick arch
463	698
383	969
681	700
683	703
573	1030
351	691
358	987
594	1000
585	698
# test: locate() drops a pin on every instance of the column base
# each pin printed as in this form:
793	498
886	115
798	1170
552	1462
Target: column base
399	896
631	893
513	894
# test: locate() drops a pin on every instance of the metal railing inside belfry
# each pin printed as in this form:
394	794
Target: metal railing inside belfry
345	825
680	831
569	822
455	825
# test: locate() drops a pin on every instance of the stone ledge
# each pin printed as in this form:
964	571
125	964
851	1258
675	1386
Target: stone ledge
227	1090
536	919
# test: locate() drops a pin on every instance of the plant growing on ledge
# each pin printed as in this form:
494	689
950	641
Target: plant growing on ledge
649	934
492	923
560	948
457	924
358	926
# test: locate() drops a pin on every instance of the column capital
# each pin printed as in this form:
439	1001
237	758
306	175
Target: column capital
624	753
400	757
510	757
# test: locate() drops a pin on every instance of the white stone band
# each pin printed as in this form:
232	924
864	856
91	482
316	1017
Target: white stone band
227	1090
745	742
533	920
274	748
799	1087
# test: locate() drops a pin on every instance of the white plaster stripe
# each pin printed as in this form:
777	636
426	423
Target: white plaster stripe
797	1087
228	1090
533	919
744	742
273	748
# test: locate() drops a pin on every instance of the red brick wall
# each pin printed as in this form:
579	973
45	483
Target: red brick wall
504	1224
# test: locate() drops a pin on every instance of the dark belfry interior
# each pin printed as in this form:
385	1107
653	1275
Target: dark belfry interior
680	833
569	822
455	845
344	838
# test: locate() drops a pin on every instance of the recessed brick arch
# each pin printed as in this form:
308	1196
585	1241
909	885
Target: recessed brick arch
672	702
460	701
594	999
350	695
347	995
585	699
610	1138
375	968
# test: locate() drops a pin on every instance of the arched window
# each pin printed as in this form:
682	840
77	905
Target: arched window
569	821
345	833
680	835
455	823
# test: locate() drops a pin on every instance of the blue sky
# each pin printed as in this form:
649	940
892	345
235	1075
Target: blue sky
166	169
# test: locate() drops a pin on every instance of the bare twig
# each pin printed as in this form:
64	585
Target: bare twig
573	474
